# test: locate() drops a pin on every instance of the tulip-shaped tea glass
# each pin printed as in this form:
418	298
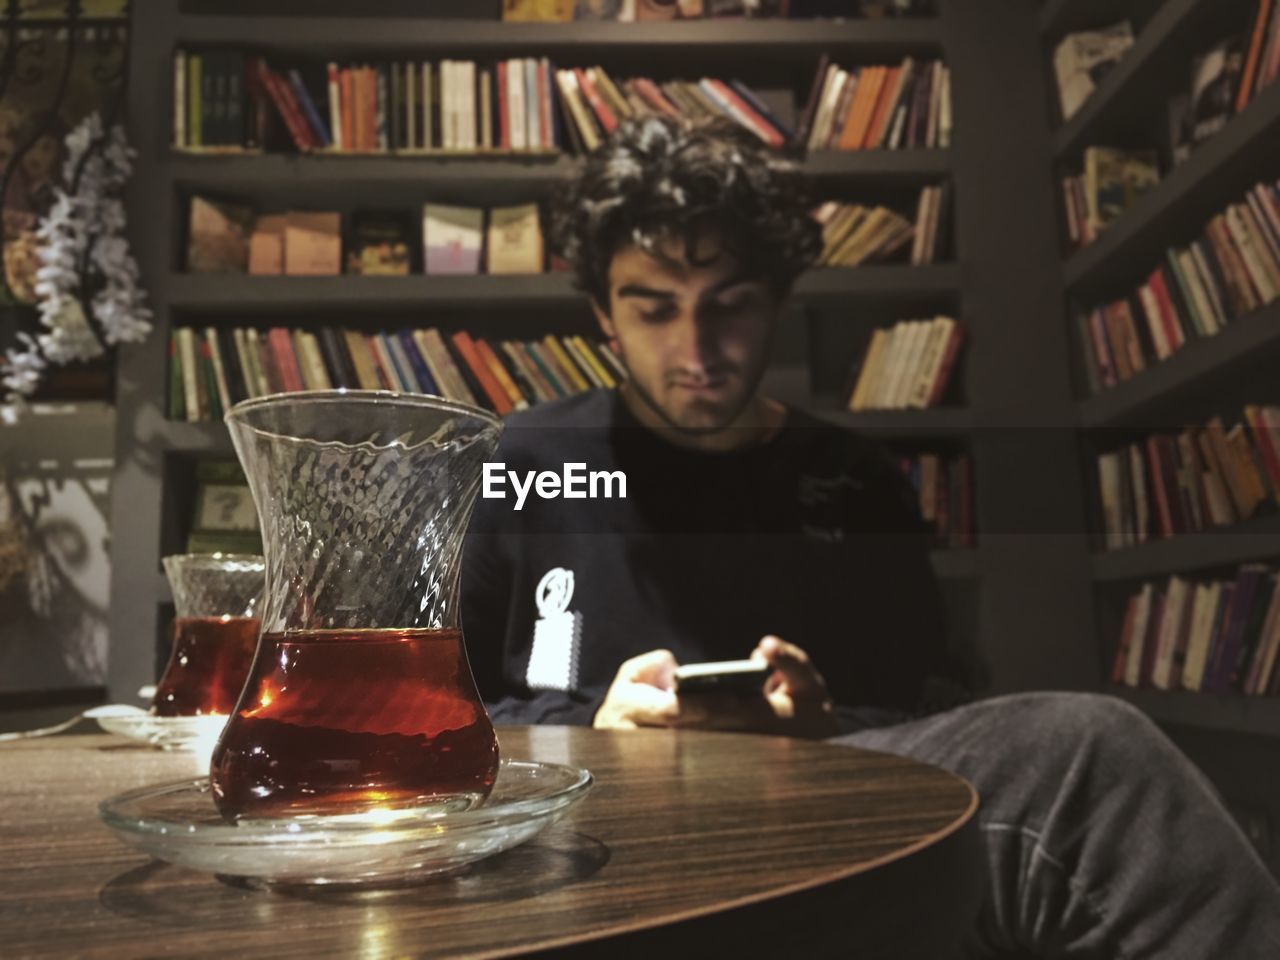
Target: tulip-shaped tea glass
215	632
360	696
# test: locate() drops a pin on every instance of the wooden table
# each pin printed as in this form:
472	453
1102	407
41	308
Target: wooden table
689	844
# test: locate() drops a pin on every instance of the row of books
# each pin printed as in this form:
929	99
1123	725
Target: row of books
656	10
229	99
1110	181
944	485
225	98
878	107
228	237
213	368
1197	479
594	104
853	234
1211	636
908	365
1232	269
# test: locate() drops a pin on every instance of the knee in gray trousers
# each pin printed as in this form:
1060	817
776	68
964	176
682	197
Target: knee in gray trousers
1101	838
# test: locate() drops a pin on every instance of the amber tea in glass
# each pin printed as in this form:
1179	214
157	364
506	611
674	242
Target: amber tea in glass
388	716
360	696
215	633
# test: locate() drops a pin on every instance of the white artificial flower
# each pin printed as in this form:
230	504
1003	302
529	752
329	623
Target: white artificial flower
82	250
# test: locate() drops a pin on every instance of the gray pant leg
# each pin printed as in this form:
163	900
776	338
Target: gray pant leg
1102	839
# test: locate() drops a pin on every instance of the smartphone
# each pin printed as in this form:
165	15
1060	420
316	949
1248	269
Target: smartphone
742	677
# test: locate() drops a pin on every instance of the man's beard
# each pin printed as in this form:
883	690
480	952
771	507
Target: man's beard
732	414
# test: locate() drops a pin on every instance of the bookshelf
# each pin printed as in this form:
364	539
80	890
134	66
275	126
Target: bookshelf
1004	272
231	171
1193	191
1212	375
544	290
1245	345
701	41
1257	539
1163	49
1256	715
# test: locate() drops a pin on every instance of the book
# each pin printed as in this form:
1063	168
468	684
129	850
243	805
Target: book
452	238
218	236
411	364
500	373
1145	621
534	381
1252	634
266	245
442	365
388	368
558	11
549	368
289	371
1218	673
1174	624
219	369
379	245
315	375
515	242
223	518
1081	61
1215	78
179	119
1260	670
194	89
1205	614
1114	179
310	111
489	384
312	243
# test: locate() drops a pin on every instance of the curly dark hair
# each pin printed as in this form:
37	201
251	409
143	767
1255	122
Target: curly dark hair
658	178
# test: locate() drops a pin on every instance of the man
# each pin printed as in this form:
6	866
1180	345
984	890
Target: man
752	529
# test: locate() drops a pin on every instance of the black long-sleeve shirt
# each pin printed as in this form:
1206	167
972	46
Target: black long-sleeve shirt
812	536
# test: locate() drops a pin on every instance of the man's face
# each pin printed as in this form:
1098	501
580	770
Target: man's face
695	339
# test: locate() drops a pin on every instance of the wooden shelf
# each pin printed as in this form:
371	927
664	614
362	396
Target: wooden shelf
1237	714
247	294
1219	172
212	437
1060	17
197	438
1244	343
1054	16
767	40
1242	543
956	564
244	294
887	165
882	282
896	424
229	170
1163	49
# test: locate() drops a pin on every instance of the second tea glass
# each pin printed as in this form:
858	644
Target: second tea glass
215	632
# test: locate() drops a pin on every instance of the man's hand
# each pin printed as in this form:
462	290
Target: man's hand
642	694
795	701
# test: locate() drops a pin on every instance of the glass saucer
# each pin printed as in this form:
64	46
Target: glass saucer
178	823
169	733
